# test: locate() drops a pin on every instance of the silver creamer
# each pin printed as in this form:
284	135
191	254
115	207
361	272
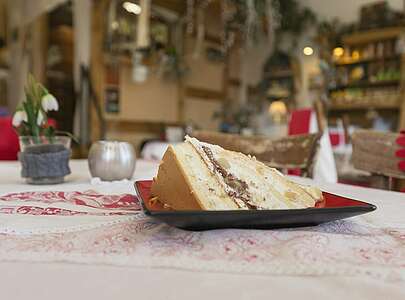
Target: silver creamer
111	160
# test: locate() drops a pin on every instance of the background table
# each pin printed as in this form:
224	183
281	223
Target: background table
26	280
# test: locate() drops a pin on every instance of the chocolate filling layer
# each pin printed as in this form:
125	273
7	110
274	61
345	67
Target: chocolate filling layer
237	188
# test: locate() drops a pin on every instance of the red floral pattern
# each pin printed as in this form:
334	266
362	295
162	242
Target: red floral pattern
113	203
49	211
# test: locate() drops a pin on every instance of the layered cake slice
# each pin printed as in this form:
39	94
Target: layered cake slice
196	175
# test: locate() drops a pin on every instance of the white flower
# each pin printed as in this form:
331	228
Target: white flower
40	118
19	117
49	103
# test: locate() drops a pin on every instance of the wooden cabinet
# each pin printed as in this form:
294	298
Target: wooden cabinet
154	100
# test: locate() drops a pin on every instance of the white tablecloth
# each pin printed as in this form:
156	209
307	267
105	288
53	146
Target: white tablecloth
28	280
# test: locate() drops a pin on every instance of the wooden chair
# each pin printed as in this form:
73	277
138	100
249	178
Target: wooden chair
376	152
321	119
292	152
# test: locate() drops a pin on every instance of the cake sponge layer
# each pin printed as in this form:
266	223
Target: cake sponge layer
185	183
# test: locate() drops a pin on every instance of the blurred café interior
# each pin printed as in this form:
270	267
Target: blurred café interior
148	72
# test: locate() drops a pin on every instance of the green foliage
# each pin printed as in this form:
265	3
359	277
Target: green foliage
49	132
293	17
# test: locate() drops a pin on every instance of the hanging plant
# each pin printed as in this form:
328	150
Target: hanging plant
293	17
251	20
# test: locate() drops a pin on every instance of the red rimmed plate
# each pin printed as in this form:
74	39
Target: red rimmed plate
334	208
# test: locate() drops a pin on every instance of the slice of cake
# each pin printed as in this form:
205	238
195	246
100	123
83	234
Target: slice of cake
196	175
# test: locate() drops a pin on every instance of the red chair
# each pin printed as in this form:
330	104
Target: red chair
304	121
299	123
312	120
401	152
9	144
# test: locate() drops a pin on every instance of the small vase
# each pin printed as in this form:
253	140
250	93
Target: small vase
44	160
112	160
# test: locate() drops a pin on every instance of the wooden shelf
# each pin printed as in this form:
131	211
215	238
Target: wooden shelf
363	106
387	105
367	61
121	58
234	81
368	36
116	118
279	74
367	84
4	72
282	98
204	94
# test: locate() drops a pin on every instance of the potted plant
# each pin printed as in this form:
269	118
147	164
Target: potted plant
44	152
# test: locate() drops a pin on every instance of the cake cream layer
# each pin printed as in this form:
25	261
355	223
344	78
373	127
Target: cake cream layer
204	184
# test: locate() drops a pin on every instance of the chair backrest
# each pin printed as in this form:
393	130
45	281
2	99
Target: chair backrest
376	152
299	122
292	152
300	119
9	144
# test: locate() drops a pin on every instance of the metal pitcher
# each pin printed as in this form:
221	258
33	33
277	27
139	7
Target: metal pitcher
111	160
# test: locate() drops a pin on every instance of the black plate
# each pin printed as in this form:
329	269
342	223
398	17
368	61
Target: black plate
334	208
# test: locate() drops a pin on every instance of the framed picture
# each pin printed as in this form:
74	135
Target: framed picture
3	24
112	100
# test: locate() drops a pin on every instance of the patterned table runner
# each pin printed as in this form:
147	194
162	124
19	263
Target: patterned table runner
349	247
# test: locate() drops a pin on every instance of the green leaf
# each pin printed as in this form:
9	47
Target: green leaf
44	90
31	116
50	133
68	134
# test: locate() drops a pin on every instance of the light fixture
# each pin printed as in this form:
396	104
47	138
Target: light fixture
132	7
278	111
308	51
338	52
115	25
